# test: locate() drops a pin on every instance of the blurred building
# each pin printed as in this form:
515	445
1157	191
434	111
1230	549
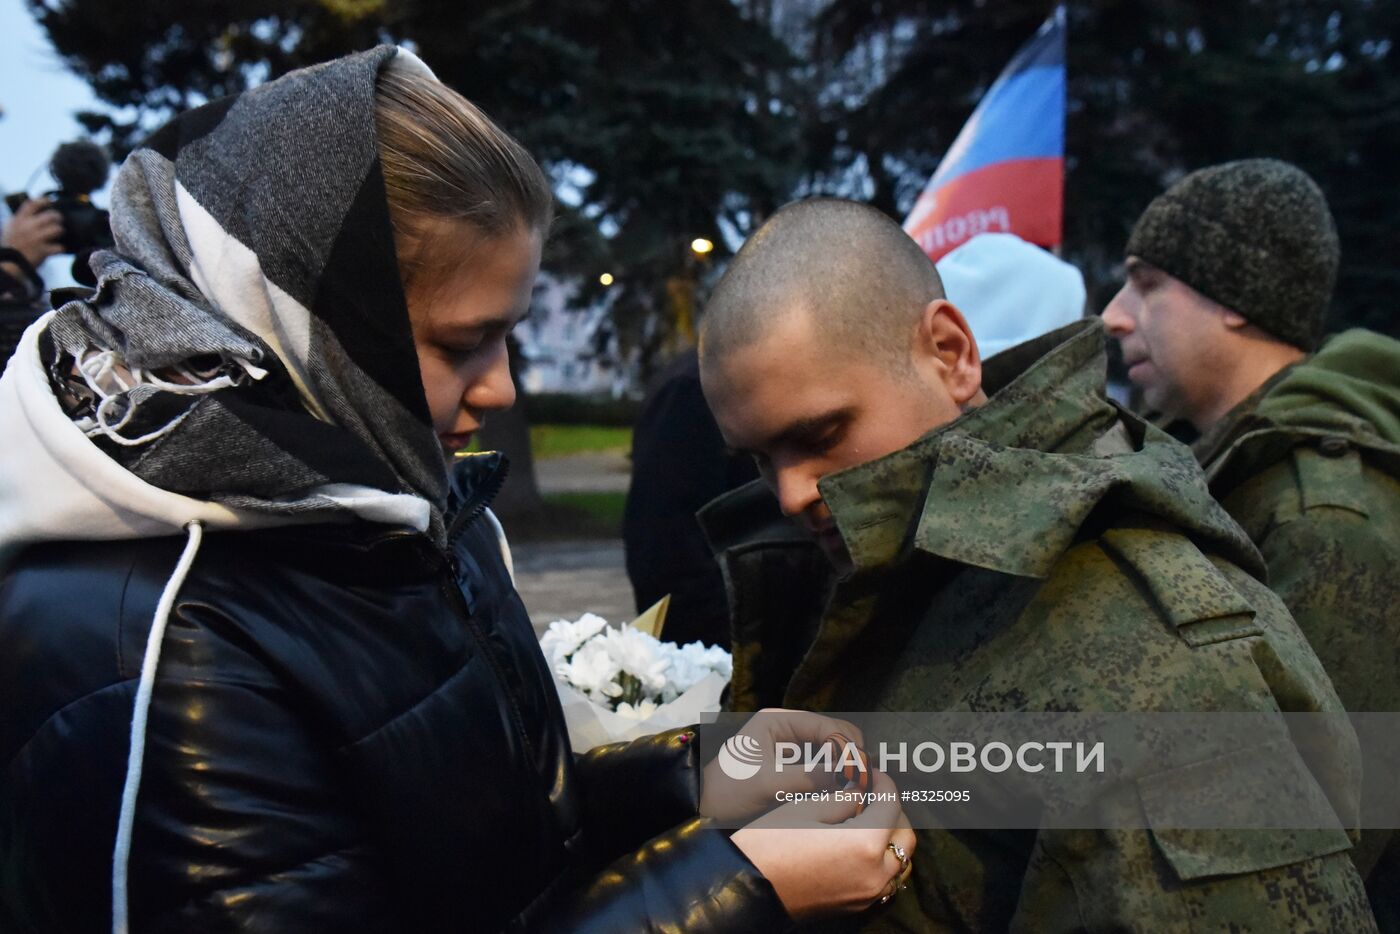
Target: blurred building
572	348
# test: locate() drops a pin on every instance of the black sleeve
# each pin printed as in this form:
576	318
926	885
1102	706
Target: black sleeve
236	826
651	864
692	878
633	791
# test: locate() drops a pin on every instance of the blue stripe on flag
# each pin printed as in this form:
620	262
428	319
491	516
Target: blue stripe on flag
1022	117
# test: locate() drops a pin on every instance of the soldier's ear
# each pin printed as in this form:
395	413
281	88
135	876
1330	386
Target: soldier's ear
944	347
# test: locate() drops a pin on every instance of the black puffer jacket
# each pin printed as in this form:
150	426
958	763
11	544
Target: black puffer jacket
349	731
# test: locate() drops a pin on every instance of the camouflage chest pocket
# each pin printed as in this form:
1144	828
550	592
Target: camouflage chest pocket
1330	474
1190	591
1209	818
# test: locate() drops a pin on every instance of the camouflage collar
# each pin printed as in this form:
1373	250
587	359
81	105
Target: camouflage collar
1009	485
1345	392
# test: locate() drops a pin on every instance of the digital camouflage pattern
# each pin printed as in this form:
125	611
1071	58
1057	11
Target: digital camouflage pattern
1049	552
1310	467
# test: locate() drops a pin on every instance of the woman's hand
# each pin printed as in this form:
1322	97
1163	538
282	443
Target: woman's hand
822	858
726	799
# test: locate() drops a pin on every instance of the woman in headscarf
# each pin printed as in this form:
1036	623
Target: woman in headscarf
262	664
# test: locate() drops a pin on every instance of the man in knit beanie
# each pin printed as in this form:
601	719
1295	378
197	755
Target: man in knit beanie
1230	273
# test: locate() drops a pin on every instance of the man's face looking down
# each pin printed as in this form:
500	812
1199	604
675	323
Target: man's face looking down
805	407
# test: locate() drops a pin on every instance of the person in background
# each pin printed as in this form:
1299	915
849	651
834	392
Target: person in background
27	238
262	663
1230	274
34	231
1009	290
679	463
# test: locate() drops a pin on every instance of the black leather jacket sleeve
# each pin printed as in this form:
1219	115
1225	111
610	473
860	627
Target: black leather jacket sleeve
632	791
669	870
303	864
224	841
691	879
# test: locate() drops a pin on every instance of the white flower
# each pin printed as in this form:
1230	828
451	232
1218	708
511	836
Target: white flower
563	638
642	711
685	671
597	660
639	654
693	662
592	670
720	661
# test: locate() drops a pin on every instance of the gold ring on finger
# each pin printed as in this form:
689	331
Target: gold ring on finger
900	855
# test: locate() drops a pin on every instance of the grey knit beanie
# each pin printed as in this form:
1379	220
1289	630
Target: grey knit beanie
1255	236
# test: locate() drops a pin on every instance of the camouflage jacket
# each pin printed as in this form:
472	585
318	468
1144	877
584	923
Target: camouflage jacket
1046	551
1309	465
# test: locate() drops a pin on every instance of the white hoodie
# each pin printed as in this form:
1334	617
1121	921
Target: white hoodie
56	485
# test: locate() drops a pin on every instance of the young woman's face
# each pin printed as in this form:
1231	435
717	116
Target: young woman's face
460	319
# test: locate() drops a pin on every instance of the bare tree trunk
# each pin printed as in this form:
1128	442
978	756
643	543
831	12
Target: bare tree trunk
509	431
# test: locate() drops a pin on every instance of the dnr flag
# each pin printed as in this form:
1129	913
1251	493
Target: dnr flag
1006	170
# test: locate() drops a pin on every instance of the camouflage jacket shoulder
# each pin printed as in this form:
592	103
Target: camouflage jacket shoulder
1310	467
1342	402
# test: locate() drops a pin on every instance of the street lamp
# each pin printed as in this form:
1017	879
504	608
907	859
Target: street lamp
606	278
701	246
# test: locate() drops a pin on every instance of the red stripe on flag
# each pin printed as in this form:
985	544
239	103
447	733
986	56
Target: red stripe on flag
1020	196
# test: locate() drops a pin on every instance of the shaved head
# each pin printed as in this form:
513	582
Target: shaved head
863	281
829	344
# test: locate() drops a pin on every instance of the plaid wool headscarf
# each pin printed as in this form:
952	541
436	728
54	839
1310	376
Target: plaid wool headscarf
249	340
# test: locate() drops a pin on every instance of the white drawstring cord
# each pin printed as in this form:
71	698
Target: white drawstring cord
102	372
103	425
121	853
110	379
502	543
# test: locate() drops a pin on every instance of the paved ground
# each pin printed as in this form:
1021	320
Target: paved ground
564	580
603	472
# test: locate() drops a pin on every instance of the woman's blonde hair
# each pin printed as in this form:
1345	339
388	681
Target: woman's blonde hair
443	159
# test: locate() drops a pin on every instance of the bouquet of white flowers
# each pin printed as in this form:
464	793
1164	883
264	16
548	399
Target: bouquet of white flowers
621	683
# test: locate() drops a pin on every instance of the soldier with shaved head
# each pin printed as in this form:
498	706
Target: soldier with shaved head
932	532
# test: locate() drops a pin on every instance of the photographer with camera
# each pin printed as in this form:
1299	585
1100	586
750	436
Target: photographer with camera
65	219
34	229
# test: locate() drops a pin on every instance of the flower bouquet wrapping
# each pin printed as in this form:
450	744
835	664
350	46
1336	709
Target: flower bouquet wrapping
619	683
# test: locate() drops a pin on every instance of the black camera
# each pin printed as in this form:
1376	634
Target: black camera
85	225
80	168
